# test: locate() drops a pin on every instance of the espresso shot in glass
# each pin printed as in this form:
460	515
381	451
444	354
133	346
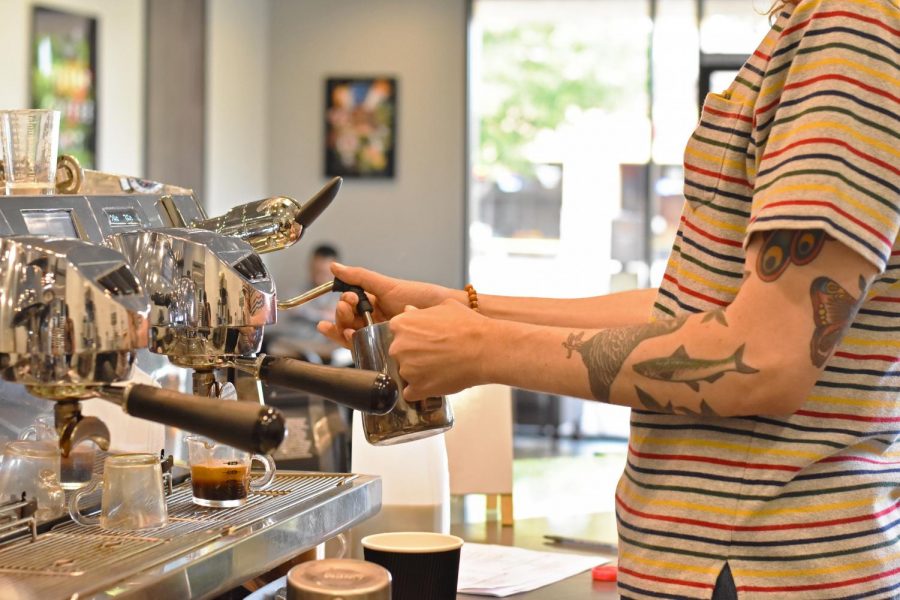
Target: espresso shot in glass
220	474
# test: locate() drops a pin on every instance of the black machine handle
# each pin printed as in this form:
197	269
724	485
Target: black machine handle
365	391
316	205
245	425
363	306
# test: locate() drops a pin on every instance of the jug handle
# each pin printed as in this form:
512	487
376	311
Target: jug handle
75	512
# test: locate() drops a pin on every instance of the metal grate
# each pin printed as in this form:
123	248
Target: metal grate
71	550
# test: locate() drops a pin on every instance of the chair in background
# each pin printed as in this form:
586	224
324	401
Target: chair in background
480	447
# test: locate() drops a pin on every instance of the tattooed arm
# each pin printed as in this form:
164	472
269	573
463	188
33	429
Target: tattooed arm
760	355
612	310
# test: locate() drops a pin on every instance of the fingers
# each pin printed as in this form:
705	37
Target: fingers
364	278
334	333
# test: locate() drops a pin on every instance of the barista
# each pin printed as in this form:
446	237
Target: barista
765	434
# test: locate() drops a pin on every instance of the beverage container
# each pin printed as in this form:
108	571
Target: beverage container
338	579
423	565
30	147
132	498
32	467
75	470
220	474
408	421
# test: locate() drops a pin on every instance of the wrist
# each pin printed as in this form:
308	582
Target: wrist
487	339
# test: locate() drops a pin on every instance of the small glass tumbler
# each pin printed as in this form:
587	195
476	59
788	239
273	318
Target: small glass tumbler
30	147
133	497
33	467
75	470
220	474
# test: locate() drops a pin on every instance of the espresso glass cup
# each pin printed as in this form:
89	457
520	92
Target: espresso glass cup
33	467
133	497
220	474
75	470
30	146
423	565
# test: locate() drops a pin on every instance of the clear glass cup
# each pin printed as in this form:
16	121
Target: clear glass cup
75	470
133	497
220	474
33	467
30	147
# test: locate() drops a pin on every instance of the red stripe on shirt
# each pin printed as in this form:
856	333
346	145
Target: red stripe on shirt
799	84
840	13
694	584
713	461
843	144
710	236
846	417
817	586
695	293
717	176
722	113
835	208
882	357
736	528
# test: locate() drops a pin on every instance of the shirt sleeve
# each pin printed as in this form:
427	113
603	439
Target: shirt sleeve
826	127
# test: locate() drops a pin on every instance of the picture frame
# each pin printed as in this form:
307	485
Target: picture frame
63	77
360	126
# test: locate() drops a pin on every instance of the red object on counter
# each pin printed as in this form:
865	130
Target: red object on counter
604	573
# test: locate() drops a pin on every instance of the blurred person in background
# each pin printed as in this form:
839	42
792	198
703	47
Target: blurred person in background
764	455
295	333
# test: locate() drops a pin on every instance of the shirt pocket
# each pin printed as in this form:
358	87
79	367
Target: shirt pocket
715	159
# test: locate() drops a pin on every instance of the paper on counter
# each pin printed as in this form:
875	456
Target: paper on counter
500	571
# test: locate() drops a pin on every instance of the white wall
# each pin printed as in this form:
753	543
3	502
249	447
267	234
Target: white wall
411	226
120	72
237	92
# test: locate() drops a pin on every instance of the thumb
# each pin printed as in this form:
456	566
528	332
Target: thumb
409	308
368	280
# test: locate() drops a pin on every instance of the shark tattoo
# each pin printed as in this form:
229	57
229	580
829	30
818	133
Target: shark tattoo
682	368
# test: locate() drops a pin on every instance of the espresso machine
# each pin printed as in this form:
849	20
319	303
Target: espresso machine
112	274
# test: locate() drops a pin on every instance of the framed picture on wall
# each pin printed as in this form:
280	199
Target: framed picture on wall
63	77
360	126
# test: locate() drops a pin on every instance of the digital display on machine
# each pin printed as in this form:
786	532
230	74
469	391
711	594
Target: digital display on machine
50	222
122	217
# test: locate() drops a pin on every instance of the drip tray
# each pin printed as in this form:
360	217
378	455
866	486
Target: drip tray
201	552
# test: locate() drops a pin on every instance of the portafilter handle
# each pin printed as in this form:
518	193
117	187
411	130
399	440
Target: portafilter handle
366	391
243	425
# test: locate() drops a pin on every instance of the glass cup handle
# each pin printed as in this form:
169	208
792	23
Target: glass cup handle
263	481
74	512
341	540
29	431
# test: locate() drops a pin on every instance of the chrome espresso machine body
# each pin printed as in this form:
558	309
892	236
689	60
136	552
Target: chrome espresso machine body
123	272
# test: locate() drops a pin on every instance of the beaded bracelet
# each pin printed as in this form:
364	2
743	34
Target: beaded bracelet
473	297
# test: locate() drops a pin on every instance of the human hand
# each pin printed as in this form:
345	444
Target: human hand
388	296
438	349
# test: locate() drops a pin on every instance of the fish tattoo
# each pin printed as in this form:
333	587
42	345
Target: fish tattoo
650	403
682	368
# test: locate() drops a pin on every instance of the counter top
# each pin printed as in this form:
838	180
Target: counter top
528	533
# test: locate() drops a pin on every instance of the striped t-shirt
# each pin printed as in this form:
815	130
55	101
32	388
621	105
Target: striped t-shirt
806	506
